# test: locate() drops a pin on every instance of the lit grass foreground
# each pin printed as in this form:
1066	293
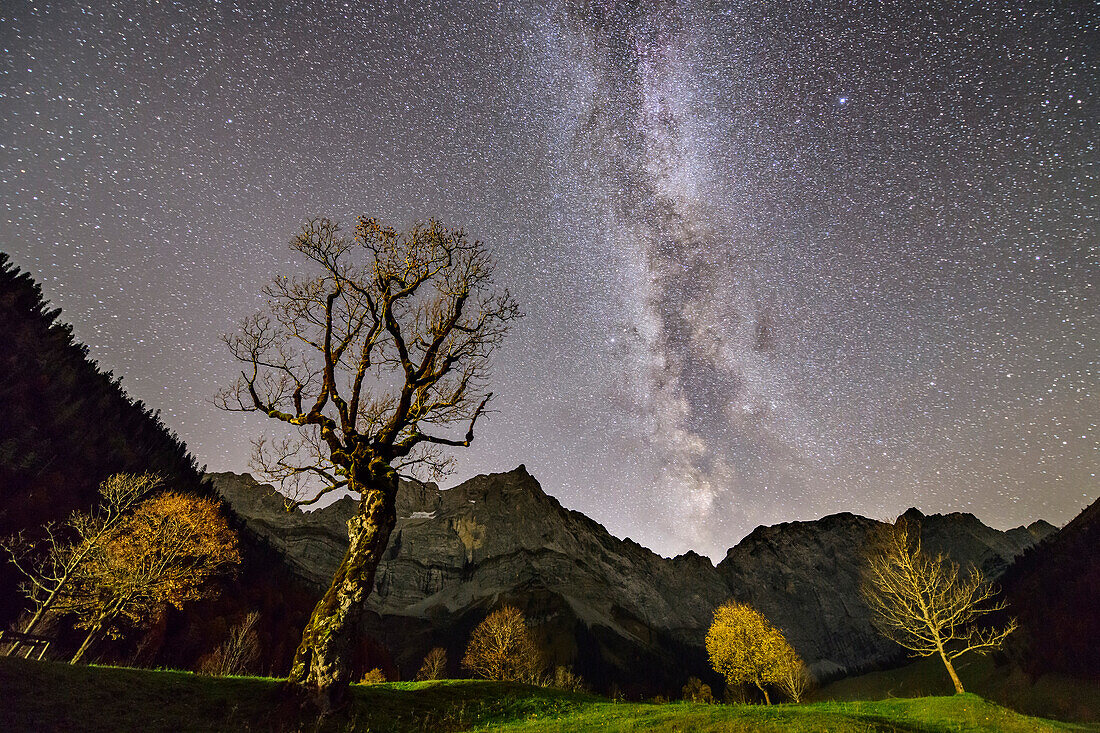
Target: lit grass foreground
44	696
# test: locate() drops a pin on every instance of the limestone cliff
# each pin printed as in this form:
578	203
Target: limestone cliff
611	608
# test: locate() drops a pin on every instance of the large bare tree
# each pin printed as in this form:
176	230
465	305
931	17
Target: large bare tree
924	604
367	359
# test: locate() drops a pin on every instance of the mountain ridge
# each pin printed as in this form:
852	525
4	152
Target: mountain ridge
1038	529
609	606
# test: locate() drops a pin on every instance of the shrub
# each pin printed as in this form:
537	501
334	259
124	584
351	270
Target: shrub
565	679
238	653
374	677
697	691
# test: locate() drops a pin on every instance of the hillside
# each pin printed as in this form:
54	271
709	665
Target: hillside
1059	579
615	611
68	426
50	696
1048	696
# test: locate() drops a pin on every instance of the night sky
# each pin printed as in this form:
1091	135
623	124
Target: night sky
778	259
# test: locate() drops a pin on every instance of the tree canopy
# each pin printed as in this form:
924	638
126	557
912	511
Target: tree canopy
389	338
744	647
503	648
165	553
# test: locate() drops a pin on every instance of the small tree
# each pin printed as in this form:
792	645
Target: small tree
374	677
237	655
795	678
744	647
67	547
697	691
566	679
164	553
923	603
502	648
434	666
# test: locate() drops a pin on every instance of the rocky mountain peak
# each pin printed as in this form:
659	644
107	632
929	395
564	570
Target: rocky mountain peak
1041	529
455	554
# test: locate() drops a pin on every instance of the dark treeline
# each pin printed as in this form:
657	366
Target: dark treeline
67	426
1054	590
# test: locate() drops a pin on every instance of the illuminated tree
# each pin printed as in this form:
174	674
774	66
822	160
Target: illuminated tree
744	647
434	666
502	648
165	552
374	677
66	548
794	676
365	359
566	679
923	603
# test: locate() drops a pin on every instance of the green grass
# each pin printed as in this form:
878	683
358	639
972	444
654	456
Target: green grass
1049	696
43	696
931	714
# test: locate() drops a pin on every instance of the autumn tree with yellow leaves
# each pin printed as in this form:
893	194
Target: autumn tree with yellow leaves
50	566
165	553
503	648
745	647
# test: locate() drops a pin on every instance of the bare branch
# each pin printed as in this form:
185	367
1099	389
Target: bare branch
418	437
923	603
389	333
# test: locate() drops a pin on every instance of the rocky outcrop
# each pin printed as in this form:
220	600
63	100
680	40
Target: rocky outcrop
804	576
610	607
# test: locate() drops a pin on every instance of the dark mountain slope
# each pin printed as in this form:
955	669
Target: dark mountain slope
1054	591
615	610
67	426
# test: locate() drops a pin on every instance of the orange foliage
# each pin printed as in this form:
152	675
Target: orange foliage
502	648
165	553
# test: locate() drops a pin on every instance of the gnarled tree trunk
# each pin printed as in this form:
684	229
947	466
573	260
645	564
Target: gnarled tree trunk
322	659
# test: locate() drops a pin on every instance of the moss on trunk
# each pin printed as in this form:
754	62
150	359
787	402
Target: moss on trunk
322	659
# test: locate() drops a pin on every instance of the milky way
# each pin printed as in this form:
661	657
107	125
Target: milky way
699	340
777	260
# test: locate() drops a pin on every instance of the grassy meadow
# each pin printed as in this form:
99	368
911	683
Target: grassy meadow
1049	696
42	696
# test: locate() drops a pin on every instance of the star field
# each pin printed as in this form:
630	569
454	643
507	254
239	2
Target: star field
777	261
